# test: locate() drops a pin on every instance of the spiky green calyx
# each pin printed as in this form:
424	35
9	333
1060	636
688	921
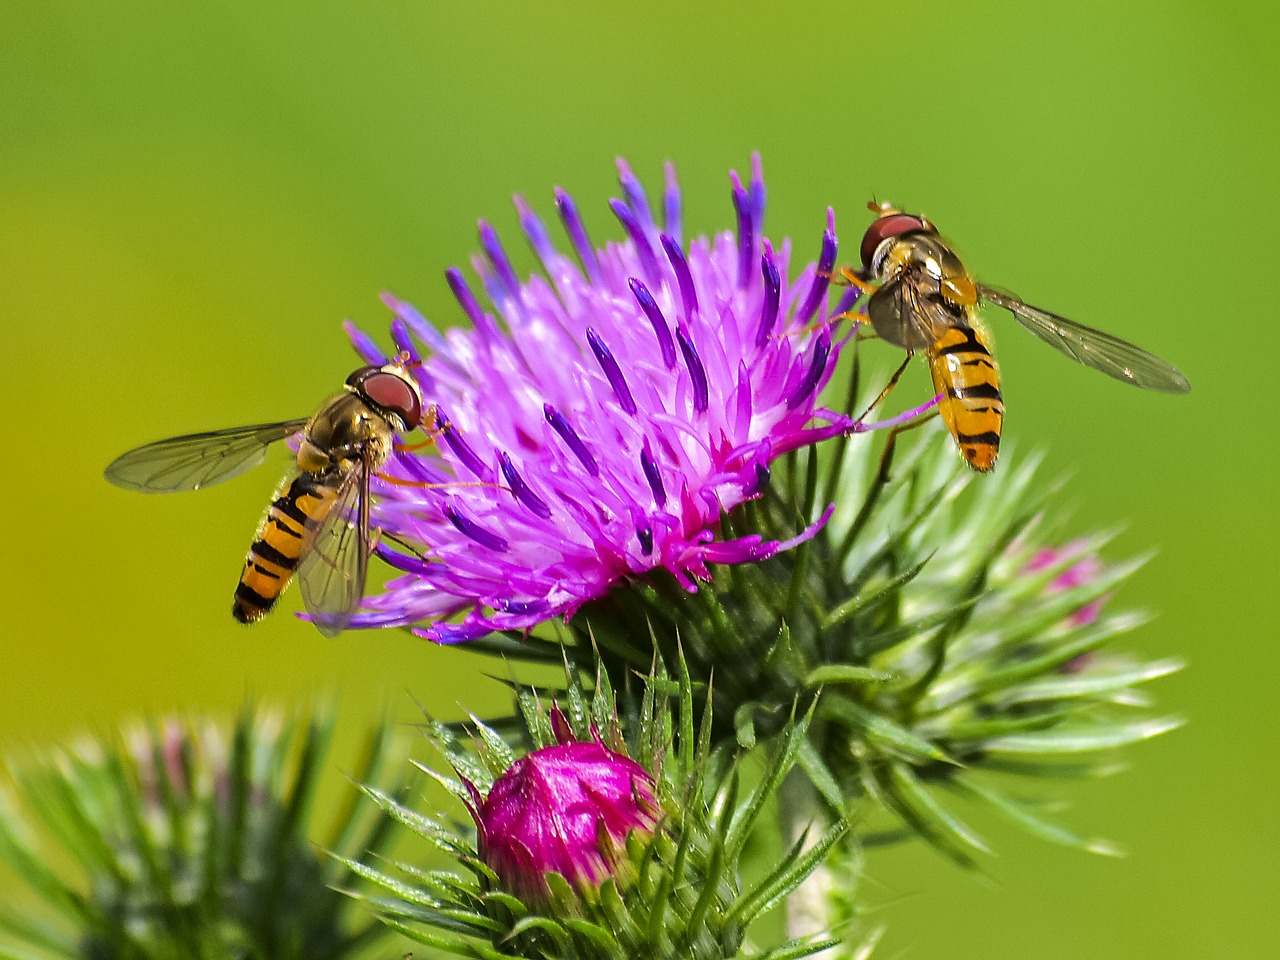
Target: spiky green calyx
941	649
681	895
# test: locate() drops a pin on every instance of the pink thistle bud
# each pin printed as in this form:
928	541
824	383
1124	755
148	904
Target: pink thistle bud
564	809
1076	575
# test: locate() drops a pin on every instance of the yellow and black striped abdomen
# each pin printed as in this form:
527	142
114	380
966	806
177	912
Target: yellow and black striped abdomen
277	549
965	373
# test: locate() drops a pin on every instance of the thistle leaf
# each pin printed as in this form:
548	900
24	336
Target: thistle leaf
1033	824
1073	741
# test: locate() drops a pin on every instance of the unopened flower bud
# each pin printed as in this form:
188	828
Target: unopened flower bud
1076	575
565	809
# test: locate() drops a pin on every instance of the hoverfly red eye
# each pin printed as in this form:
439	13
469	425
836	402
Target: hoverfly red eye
359	375
392	392
882	228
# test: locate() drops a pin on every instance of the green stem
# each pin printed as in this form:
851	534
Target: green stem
809	907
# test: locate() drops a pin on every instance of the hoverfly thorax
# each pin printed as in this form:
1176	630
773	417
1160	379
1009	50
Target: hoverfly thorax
925	288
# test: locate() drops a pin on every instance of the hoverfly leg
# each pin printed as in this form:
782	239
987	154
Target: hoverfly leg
891	441
856	316
893	382
906	420
401	542
432	435
447	485
419	484
859	321
420	445
844	277
814	327
848	277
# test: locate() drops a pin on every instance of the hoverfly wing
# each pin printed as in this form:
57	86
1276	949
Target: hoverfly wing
335	556
197	459
1093	348
898	308
888	303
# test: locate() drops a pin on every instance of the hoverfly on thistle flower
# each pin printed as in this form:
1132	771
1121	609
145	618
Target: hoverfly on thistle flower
923	298
318	524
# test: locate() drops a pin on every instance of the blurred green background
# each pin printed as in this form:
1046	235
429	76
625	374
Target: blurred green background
193	196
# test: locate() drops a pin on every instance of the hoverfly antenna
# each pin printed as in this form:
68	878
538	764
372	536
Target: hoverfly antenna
405	360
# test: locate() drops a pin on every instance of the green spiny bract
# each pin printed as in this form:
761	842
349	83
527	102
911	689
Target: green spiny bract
944	655
680	895
182	840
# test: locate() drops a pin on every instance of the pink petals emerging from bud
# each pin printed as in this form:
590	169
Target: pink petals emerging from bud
1077	575
565	809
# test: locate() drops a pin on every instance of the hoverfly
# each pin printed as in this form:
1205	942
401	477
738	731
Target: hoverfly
926	300
318	524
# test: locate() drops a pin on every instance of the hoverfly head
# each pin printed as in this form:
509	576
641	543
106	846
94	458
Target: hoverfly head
889	224
391	391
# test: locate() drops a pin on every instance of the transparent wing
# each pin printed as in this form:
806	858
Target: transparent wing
1101	351
335	556
903	316
197	459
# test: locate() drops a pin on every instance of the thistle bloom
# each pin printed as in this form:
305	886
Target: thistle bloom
628	398
565	809
185	838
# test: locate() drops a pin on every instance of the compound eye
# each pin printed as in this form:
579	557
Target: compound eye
359	375
391	392
881	229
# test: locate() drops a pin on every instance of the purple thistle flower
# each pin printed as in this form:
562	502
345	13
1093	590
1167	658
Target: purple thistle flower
565	809
628	398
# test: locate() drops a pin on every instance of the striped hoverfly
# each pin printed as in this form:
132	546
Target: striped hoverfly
318	524
923	298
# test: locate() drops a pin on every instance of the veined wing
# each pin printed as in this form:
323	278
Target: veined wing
335	555
1094	348
197	459
902	315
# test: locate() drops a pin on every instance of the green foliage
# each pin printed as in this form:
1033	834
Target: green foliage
180	840
944	656
934	645
683	897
